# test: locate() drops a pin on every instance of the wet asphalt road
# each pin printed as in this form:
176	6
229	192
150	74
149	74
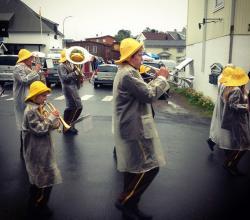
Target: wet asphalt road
193	185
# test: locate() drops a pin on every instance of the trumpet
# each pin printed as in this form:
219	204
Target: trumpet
51	108
157	69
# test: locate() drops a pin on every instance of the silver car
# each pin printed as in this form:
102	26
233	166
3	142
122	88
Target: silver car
105	75
7	64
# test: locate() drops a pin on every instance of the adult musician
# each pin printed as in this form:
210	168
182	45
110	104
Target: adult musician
139	154
23	75
70	84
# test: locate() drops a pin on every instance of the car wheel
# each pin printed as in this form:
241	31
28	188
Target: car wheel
95	85
48	84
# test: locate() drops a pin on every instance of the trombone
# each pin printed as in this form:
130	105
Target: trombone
51	108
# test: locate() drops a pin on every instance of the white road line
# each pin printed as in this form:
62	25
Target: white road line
10	99
86	97
60	98
107	98
3	96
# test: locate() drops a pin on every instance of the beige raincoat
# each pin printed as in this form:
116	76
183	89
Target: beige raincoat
136	138
23	77
39	153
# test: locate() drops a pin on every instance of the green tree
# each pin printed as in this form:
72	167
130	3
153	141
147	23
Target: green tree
122	34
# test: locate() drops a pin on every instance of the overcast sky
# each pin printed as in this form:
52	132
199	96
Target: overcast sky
92	17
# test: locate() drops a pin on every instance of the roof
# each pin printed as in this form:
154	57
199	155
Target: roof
176	35
6	16
157	36
24	19
100	37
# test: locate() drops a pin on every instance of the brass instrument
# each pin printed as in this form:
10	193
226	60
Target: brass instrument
77	56
157	69
51	108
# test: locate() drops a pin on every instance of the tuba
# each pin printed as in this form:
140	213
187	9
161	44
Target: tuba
77	56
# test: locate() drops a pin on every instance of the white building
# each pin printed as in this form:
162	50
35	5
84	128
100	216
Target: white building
218	31
26	29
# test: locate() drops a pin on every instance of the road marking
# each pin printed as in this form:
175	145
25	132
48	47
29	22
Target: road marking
86	97
107	98
60	98
3	96
10	99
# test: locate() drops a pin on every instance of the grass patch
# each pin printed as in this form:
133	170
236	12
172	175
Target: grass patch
197	99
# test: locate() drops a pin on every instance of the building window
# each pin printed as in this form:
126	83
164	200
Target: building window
87	48
179	50
104	40
94	49
219	4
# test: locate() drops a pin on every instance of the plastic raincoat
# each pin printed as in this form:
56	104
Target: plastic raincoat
137	142
219	135
235	119
39	154
69	83
23	77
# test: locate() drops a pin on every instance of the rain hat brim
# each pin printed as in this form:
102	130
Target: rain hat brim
31	95
124	58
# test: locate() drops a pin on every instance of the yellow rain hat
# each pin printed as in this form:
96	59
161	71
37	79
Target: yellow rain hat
37	88
226	73
128	47
144	69
63	56
238	78
23	54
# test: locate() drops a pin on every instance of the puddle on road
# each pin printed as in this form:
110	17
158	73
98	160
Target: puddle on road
170	107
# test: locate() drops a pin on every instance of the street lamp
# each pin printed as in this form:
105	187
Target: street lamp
64	22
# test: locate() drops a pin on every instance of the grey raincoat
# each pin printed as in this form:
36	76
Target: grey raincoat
23	77
137	142
219	135
235	119
69	86
39	154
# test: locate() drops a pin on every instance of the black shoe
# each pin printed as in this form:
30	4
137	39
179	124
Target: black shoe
211	144
127	212
142	215
38	211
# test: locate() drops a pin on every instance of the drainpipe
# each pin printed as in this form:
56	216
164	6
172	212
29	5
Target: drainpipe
231	34
204	38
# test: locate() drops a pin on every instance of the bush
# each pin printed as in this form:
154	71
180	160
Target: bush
197	99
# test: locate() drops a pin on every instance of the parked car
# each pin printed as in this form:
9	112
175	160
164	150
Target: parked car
105	75
51	75
7	64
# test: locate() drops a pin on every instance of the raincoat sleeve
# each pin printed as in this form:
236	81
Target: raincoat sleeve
66	76
234	102
38	126
143	91
25	75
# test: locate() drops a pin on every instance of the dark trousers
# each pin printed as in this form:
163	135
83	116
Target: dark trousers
134	186
38	197
71	114
233	157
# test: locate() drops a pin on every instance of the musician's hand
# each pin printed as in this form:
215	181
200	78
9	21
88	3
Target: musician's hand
56	113
37	67
163	72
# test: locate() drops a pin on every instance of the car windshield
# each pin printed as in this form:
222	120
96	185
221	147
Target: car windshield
8	60
107	69
157	65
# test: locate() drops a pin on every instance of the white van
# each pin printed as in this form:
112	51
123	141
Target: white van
7	64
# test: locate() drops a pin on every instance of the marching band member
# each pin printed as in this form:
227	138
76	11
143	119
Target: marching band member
139	154
23	76
39	154
70	85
